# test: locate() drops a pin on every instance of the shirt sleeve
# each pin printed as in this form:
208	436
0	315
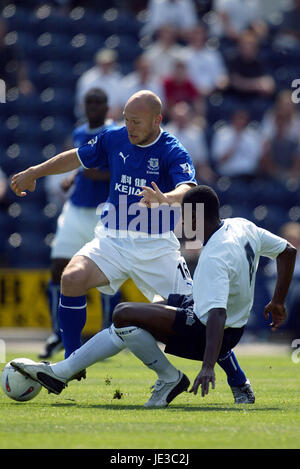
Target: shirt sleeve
271	244
93	154
181	168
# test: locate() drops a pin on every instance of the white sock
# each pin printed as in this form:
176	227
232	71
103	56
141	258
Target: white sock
103	345
145	347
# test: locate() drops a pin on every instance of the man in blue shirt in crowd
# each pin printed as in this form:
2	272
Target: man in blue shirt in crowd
76	224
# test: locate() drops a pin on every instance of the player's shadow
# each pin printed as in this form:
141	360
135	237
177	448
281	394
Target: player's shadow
218	408
184	408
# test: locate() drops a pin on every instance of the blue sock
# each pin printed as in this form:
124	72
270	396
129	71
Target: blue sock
53	293
72	318
235	375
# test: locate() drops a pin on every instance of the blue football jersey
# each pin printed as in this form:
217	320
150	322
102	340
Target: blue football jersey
165	161
87	192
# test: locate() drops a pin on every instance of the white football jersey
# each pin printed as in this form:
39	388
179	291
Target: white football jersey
226	269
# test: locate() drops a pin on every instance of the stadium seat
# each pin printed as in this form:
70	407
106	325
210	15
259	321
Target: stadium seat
55	129
50	73
49	46
17	18
122	23
31	251
270	217
267	191
128	48
85	22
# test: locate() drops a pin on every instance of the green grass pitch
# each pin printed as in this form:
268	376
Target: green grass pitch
106	410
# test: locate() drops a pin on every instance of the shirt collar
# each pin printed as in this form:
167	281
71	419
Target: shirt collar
220	226
152	143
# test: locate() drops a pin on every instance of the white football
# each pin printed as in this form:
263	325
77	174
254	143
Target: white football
17	386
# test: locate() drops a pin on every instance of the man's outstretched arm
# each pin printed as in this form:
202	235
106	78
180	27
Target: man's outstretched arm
285	268
214	336
61	163
154	195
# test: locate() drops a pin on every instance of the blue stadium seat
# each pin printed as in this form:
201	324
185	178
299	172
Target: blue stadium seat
128	48
18	18
49	46
84	47
54	23
89	23
55	129
58	102
275	217
31	253
266	191
123	23
50	73
19	156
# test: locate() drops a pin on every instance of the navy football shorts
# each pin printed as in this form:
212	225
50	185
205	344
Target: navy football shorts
190	339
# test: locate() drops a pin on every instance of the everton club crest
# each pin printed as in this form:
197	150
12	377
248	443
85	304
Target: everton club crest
153	166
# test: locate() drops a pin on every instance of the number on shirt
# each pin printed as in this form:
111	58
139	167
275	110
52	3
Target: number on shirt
184	270
250	258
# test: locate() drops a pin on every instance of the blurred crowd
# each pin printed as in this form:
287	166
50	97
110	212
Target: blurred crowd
224	70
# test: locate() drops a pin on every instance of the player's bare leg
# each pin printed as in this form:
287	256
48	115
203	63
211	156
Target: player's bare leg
156	318
80	275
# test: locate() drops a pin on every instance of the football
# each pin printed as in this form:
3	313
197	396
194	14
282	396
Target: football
17	386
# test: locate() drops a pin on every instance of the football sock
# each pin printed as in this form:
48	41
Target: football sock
235	375
53	293
72	318
103	345
145	347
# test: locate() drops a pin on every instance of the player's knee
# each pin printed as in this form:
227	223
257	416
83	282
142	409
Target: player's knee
73	281
122	315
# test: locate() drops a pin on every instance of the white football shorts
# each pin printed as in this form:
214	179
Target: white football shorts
155	264
75	228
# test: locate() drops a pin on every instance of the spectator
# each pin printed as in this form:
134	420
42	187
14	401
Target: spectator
163	52
13	70
205	65
181	14
289	110
103	74
142	78
237	147
248	76
178	87
289	31
236	16
190	133
281	154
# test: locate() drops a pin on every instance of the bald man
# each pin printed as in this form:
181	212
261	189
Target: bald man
150	172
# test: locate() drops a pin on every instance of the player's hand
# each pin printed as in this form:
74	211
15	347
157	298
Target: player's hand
206	376
278	313
153	196
22	182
